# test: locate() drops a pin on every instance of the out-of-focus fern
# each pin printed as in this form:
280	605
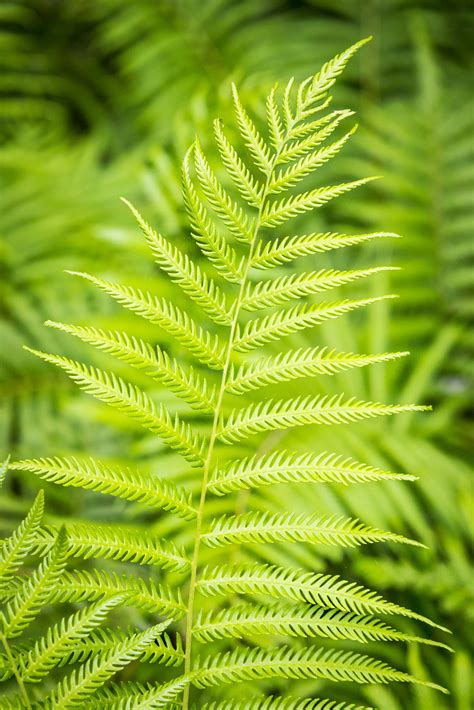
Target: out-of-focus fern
231	222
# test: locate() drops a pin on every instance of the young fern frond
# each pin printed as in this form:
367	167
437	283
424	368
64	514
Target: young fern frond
234	228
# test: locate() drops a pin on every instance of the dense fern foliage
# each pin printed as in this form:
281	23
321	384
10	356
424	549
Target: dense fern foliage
249	605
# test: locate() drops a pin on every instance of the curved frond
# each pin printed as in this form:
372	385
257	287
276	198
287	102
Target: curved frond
92	540
296	527
121	482
324	590
190	385
270	414
296	364
285	467
278	619
284	662
129	399
275	292
75	688
277	325
33	592
194	282
16	547
205	346
284	249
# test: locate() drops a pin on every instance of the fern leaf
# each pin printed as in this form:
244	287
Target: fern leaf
295	364
279	251
278	325
101	641
272	293
275	124
274	703
30	597
276	213
284	467
129	399
252	138
271	415
156	363
205	347
82	585
194	282
88	540
224	206
75	688
124	483
138	697
292	175
326	77
278	619
16	547
62	637
211	242
284	662
247	185
324	590
292	527
319	130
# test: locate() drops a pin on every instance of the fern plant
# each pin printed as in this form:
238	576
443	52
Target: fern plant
248	616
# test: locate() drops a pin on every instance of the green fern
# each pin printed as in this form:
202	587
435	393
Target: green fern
232	225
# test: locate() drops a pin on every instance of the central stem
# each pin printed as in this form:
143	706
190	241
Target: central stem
212	442
217	416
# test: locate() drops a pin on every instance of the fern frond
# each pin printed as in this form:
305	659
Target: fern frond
129	399
284	249
270	415
272	293
112	542
284	467
250	189
275	124
63	637
161	650
284	662
124	483
82	585
278	325
194	282
133	696
205	346
324	590
252	138
295	364
279	212
223	205
32	594
279	619
75	688
211	242
319	85
292	175
155	362
14	550
319	130
274	703
254	527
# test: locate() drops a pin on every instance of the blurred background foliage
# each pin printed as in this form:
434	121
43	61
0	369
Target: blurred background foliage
101	99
